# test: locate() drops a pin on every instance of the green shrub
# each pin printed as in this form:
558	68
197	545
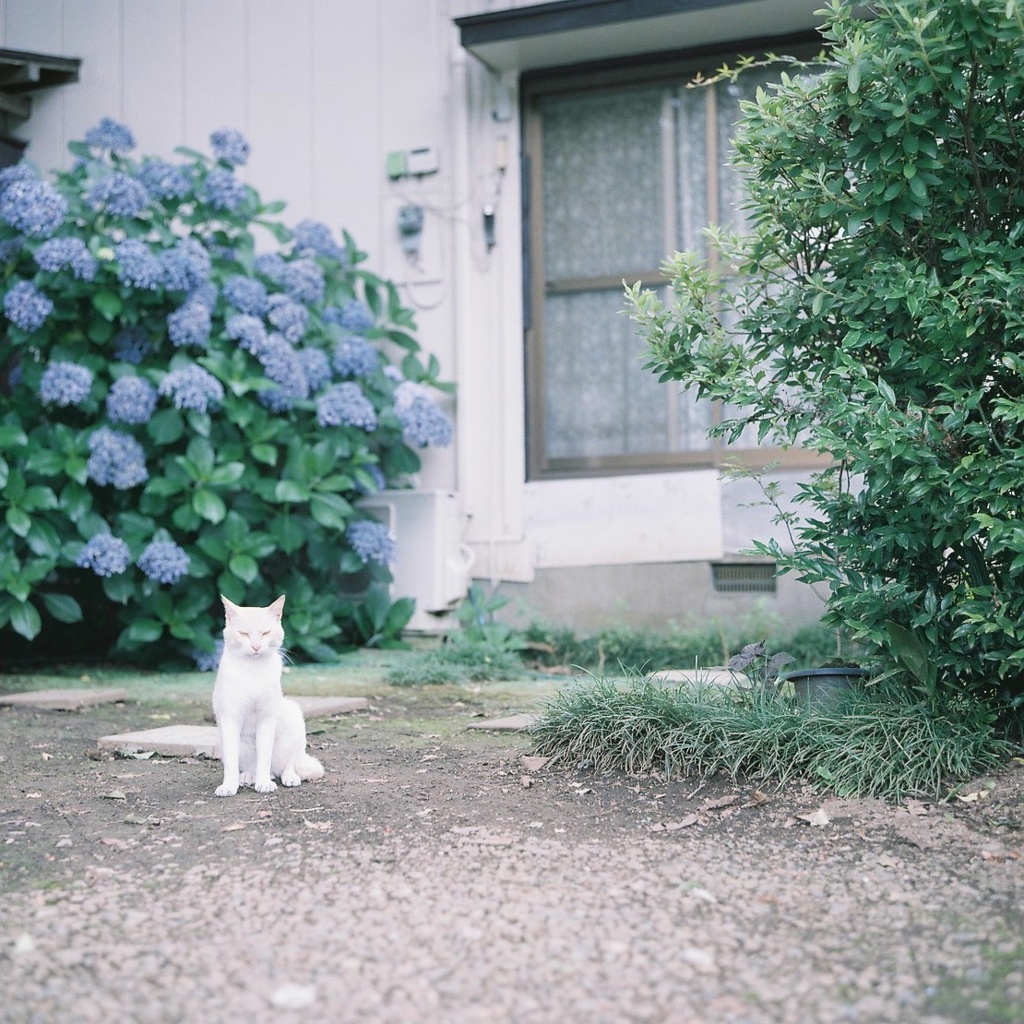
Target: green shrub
875	314
182	416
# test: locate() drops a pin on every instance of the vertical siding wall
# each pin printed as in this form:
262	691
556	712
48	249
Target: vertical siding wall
322	89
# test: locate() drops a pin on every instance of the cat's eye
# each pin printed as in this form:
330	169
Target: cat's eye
266	632
242	632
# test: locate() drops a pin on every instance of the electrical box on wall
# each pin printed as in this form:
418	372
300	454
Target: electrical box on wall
412	163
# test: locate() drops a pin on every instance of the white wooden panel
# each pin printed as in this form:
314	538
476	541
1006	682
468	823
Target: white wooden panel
32	25
280	119
347	165
153	88
92	31
214	70
35	25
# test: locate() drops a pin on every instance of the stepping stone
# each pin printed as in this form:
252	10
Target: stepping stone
190	740
513	723
324	707
167	741
64	700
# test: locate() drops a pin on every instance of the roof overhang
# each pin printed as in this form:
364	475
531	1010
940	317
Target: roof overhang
575	31
22	73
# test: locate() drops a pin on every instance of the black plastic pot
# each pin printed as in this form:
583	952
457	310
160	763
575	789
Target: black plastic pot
822	686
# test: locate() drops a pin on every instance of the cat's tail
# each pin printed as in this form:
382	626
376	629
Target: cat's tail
308	767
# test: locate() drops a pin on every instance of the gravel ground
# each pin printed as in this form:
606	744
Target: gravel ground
434	876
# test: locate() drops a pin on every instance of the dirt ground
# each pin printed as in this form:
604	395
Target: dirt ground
408	773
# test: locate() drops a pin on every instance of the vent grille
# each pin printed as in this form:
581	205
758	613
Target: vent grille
743	577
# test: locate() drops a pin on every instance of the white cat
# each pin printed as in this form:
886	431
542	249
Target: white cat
262	733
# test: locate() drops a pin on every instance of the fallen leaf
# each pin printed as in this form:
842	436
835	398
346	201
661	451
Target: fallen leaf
136	755
817	820
916	808
46	757
319	826
970	798
236	827
533	764
115	794
526	781
718	802
758	799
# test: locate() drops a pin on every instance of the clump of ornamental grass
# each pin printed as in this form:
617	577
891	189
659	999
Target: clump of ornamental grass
888	744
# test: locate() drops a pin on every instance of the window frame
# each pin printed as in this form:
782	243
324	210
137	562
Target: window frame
659	69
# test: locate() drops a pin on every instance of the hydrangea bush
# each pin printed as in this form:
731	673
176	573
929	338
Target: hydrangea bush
182	415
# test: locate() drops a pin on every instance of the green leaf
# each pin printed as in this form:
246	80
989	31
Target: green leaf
25	620
244	567
229	473
107	304
12	436
209	505
265	453
145	631
20	522
290	491
166	426
63	607
330	511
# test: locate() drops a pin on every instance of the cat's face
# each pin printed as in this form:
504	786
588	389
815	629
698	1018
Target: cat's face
252	632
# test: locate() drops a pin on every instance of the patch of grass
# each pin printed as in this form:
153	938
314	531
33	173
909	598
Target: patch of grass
460	659
870	743
678	646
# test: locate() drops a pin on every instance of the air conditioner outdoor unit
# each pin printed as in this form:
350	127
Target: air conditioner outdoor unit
432	564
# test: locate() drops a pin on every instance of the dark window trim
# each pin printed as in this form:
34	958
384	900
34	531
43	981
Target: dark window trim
625	71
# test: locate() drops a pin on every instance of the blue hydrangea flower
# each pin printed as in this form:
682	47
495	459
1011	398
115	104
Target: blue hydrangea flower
371	541
315	236
288	317
303	280
16	172
163	561
65	384
345	404
110	135
354	316
26	306
56	254
316	366
246	294
116	458
137	266
248	331
355	357
32	206
118	194
190	325
272	265
208	661
282	365
105	555
131	400
164	180
186	265
423	422
205	294
192	387
230	146
222	190
132	345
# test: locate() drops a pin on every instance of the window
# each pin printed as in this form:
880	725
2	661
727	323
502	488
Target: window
624	167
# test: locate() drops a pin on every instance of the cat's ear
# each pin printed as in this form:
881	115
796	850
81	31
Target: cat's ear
277	608
230	609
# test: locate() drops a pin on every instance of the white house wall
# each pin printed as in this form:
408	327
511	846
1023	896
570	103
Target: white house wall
323	90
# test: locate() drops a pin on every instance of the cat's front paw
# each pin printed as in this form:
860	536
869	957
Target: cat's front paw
246	779
267	786
290	777
226	789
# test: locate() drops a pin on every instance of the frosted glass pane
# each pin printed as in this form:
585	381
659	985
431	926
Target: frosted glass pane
603	193
691	124
599	401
